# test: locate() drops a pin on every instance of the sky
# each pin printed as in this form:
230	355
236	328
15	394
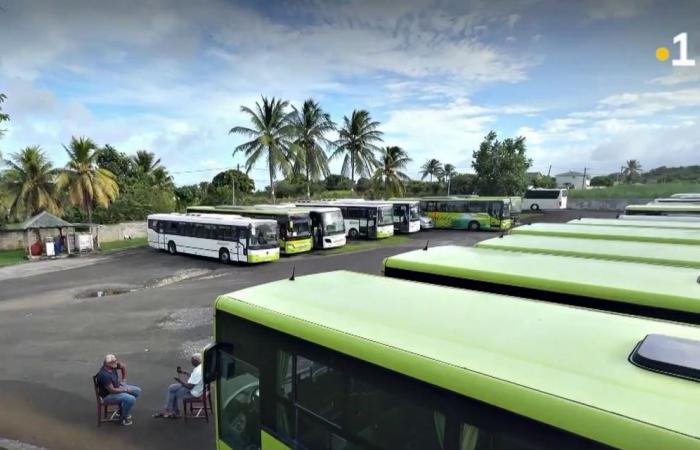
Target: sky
579	79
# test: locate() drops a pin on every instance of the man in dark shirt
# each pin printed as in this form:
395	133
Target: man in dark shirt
111	388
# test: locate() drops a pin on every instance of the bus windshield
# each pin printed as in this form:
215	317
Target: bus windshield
415	215
300	227
386	215
505	211
263	235
333	223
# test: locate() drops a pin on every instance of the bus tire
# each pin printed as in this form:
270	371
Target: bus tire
172	248
473	226
535	207
224	256
353	233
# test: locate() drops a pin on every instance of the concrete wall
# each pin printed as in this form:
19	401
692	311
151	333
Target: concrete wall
605	204
12	240
118	231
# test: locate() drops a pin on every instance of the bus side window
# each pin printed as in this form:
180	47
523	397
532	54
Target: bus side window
241	234
441	206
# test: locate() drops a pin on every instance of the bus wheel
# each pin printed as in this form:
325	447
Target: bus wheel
353	233
172	249
224	256
473	226
535	207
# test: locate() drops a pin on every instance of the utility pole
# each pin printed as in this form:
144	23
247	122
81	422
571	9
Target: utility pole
583	183
549	170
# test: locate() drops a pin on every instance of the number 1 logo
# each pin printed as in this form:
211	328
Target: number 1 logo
682	41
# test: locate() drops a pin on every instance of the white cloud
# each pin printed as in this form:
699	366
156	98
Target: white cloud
679	75
616	9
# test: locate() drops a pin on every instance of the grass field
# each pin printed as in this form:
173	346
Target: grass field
123	244
637	190
11	257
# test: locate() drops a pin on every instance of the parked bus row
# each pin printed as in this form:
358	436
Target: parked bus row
583	336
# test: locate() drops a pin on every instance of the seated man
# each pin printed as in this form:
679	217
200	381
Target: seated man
193	388
111	388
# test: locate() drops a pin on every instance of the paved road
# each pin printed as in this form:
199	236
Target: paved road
53	340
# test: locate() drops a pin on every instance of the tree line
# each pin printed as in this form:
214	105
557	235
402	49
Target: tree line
105	185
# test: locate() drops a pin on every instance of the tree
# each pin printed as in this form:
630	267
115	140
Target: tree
311	124
501	167
356	145
119	163
432	168
448	172
244	183
389	174
270	138
4	117
603	180
542	181
462	184
87	183
146	161
30	181
632	170
335	182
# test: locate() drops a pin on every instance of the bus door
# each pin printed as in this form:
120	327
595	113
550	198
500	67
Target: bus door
317	229
371	223
160	229
401	218
240	238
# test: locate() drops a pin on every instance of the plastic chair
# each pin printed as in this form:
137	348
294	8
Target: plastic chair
199	407
107	411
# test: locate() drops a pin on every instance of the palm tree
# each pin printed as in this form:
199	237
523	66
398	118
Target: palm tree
310	127
392	160
356	145
146	161
632	169
448	172
4	117
271	135
30	180
432	168
87	184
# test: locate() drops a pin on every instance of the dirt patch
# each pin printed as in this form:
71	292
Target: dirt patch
180	275
185	319
189	348
6	444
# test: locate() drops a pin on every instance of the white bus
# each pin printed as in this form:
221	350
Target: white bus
676	200
687	195
406	212
327	224
681	219
373	220
226	237
536	199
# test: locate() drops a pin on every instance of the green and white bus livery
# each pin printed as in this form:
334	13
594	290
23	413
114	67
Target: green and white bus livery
363	219
228	238
660	235
294	225
472	213
341	360
638	223
664	209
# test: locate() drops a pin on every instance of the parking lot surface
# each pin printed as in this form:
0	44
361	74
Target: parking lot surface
55	331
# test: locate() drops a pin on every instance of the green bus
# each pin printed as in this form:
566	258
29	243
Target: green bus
473	213
376	366
294	224
664	209
663	292
678	255
516	203
660	235
638	223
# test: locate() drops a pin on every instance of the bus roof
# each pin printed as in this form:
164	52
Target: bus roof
662	235
637	223
344	203
666	207
563	366
660	218
455	198
644	252
613	282
225	219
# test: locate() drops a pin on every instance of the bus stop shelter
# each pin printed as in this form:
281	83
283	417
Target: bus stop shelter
43	221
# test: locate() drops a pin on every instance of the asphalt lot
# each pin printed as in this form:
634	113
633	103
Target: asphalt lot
53	338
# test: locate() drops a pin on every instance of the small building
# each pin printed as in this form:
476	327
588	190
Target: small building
572	179
48	235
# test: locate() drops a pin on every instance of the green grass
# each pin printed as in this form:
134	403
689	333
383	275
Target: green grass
11	257
361	245
656	190
123	244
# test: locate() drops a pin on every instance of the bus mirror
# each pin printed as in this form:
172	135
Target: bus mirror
212	360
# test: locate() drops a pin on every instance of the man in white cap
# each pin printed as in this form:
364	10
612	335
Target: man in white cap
193	388
112	388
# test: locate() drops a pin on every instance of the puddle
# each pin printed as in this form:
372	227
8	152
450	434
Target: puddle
106	292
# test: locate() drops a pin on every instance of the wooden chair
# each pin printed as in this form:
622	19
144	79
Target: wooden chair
197	408
107	411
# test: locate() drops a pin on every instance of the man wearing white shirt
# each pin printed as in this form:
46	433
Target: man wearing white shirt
193	388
